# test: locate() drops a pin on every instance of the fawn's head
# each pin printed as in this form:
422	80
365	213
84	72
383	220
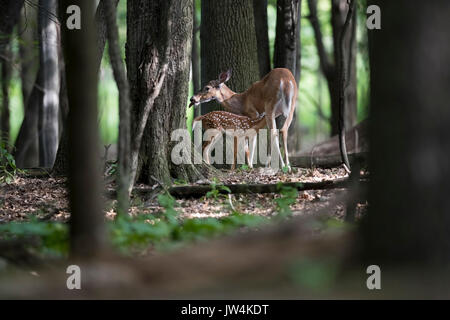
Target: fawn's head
211	91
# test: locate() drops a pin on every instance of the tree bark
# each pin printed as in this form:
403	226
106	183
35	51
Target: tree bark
86	222
329	68
123	177
156	31
343	76
9	16
285	52
262	36
408	221
29	53
61	163
48	125
229	41
6	70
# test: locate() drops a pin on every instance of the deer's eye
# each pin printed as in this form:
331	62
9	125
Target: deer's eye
206	88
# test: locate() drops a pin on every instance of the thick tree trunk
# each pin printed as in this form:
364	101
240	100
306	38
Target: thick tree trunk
262	36
151	41
228	42
86	222
409	219
48	125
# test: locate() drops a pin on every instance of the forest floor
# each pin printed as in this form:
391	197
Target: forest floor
45	199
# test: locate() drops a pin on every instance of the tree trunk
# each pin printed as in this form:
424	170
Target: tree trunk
262	36
195	56
9	15
329	69
165	30
27	49
408	221
123	177
48	125
86	222
228	40
27	142
339	11
61	163
285	52
6	70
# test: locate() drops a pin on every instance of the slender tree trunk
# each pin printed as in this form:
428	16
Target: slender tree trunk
339	11
123	177
343	76
6	70
48	125
329	68
262	36
61	163
86	222
409	221
229	41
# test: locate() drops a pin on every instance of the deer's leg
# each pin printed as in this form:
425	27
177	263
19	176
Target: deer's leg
285	129
207	150
235	145
252	150
269	126
276	140
247	152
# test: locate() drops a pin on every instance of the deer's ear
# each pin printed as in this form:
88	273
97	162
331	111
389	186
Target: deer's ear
225	76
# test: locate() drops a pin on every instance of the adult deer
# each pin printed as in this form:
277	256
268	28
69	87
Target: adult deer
274	95
234	125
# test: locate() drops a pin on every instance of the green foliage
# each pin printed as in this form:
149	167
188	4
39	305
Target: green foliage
288	197
314	274
244	167
168	203
8	168
217	190
52	237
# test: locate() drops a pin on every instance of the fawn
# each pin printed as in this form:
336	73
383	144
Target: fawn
234	125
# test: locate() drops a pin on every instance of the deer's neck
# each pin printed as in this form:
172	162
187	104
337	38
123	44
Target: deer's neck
232	101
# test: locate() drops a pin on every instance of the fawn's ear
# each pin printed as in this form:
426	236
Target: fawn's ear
225	76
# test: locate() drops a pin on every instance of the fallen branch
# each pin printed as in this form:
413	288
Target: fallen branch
327	161
201	190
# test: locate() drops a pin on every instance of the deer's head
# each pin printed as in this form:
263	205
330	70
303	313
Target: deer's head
212	90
